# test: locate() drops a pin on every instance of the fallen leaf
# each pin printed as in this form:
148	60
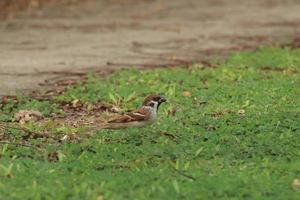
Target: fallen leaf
65	137
100	198
24	116
115	109
75	103
241	112
172	112
296	183
53	156
186	94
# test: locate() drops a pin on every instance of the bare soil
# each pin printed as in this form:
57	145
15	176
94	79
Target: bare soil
56	43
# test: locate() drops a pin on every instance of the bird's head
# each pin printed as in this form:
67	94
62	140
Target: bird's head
154	100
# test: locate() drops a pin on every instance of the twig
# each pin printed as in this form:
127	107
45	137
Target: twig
170	136
183	174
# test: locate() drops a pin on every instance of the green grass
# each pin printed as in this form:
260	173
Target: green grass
236	137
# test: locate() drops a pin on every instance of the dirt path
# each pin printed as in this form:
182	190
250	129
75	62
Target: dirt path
59	42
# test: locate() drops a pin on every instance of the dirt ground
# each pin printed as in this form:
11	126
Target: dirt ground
41	46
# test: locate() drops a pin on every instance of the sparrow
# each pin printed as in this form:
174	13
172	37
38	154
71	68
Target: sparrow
145	115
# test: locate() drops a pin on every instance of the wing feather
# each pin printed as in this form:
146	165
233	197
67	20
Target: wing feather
141	114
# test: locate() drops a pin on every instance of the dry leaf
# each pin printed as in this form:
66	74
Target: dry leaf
100	198
53	156
115	109
75	103
65	137
186	94
172	112
296	183
241	112
24	116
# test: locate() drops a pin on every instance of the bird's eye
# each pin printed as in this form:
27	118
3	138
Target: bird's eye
151	104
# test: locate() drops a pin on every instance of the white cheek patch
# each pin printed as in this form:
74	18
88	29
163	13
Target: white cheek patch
153	104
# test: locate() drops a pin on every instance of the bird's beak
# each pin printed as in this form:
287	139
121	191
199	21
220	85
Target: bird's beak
162	100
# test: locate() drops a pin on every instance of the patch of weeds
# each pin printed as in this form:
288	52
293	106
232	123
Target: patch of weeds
230	132
12	106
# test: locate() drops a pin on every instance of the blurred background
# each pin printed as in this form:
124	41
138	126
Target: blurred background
46	42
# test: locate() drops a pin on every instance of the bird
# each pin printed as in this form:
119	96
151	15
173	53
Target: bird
141	117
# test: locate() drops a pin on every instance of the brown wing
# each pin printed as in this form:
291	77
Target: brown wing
141	114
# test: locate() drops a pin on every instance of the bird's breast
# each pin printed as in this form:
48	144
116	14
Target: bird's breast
152	116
